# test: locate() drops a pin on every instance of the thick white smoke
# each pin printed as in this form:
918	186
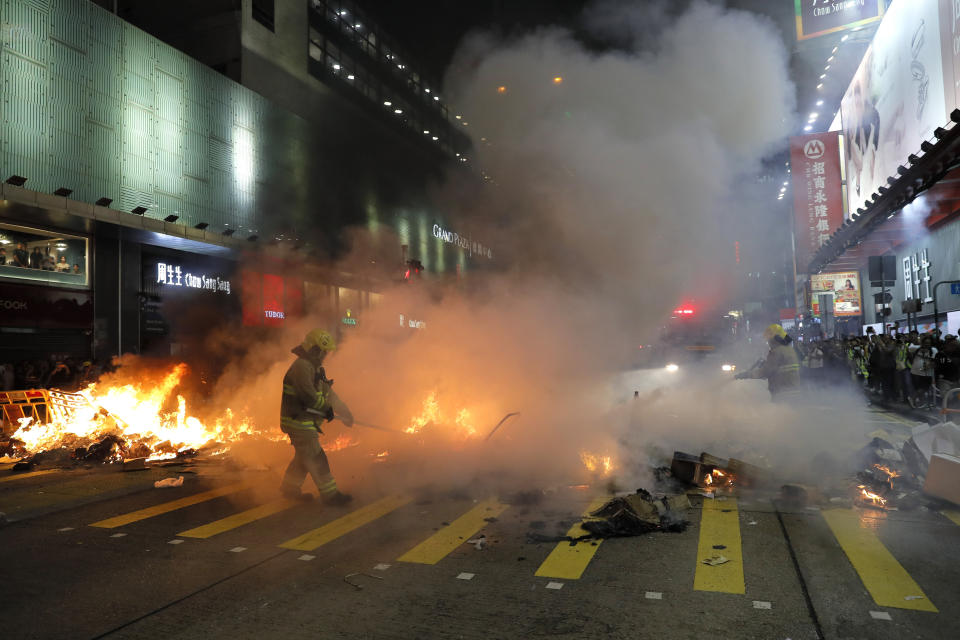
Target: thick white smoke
629	162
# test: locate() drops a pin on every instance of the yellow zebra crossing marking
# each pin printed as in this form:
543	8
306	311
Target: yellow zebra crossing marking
887	581
354	520
436	547
166	507
32	474
238	519
954	516
720	526
567	561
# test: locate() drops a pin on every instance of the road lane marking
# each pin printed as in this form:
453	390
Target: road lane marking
880	615
884	578
762	604
653	595
569	562
174	541
354	520
238	550
239	519
952	515
436	547
166	507
720	527
32	474
465	576
306	557
555	585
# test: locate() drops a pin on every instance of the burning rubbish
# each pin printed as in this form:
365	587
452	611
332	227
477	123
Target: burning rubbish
631	515
110	423
600	464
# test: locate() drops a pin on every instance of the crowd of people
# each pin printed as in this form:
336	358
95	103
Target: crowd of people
36	259
56	372
899	367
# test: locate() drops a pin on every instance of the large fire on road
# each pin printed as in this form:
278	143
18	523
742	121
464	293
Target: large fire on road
131	420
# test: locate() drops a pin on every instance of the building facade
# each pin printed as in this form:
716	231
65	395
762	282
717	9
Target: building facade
164	185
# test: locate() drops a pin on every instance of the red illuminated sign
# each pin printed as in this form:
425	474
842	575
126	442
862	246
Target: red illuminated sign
269	299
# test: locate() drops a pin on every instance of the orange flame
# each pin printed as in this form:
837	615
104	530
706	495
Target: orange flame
432	414
873	498
597	463
340	442
135	413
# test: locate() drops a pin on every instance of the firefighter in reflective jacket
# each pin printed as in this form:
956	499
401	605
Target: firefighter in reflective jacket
781	367
308	399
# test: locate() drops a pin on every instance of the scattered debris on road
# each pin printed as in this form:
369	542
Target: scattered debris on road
169	482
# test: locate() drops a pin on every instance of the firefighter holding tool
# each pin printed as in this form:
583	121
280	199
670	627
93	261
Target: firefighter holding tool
308	399
781	367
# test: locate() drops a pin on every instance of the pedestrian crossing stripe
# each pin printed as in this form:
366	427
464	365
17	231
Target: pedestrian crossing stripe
954	516
354	520
166	507
570	561
436	547
885	579
239	519
32	474
720	527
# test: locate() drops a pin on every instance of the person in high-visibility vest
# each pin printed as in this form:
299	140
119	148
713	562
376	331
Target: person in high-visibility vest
781	367
307	400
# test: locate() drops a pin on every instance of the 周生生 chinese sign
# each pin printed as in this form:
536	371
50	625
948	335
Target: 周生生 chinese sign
817	192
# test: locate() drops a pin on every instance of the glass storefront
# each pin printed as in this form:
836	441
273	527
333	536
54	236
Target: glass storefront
37	256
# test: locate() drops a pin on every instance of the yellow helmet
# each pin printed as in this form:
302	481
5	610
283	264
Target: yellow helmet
774	330
319	338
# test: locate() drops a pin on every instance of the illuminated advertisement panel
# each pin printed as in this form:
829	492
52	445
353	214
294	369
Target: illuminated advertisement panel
817	192
269	299
845	288
896	98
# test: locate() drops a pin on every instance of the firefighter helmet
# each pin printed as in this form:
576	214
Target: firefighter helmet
320	338
774	330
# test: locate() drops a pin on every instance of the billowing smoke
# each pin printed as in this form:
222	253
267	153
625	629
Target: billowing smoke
626	167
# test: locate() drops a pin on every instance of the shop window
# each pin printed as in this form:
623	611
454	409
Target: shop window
263	12
43	257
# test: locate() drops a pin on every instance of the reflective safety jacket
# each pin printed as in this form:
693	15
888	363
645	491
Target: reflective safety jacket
305	387
781	368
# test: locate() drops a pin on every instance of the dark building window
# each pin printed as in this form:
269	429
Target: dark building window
263	12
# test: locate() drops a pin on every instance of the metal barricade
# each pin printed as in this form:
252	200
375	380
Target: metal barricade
946	400
41	405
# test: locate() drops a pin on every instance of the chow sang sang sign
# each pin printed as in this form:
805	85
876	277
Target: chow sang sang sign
820	17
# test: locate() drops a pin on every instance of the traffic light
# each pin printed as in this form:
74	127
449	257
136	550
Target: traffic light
414	269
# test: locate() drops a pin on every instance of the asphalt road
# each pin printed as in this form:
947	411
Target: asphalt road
98	553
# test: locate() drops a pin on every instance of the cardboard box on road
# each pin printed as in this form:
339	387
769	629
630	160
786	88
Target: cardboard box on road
943	477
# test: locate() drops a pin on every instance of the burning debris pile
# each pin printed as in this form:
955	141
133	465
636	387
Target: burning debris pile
899	475
638	514
116	422
714	475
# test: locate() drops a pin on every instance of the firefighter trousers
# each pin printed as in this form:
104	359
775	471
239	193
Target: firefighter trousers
308	458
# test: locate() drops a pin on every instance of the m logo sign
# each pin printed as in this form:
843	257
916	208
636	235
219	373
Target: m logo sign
813	149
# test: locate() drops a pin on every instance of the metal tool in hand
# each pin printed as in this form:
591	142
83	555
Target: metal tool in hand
357	423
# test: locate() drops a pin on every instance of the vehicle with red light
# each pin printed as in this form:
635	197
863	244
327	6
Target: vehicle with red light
690	335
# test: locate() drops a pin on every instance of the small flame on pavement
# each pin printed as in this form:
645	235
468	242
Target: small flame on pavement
597	463
340	442
433	415
870	497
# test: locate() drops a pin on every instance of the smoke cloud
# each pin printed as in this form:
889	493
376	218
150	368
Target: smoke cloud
617	187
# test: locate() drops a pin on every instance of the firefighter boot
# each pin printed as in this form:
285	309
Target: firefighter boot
337	499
